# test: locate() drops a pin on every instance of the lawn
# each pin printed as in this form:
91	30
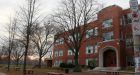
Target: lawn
37	71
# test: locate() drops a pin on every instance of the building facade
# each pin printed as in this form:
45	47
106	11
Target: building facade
111	44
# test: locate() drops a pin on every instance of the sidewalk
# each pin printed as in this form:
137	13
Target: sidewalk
3	74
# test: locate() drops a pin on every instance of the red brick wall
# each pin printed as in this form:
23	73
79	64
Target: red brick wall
115	13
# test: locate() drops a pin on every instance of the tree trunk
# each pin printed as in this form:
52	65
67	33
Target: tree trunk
26	51
17	62
76	59
77	66
9	61
39	63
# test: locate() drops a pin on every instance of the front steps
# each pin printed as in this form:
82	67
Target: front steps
106	68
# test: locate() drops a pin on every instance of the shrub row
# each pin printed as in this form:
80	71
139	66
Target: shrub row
67	65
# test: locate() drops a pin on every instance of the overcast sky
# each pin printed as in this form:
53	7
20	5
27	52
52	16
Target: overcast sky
7	8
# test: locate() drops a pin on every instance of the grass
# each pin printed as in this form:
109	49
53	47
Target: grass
3	69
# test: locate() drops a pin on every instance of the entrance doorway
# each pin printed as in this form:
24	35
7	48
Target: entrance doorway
109	58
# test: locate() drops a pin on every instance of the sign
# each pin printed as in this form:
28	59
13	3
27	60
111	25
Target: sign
134	5
136	28
135	10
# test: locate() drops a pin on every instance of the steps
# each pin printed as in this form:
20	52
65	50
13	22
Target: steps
106	69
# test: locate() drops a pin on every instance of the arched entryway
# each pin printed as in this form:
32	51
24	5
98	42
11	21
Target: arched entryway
109	58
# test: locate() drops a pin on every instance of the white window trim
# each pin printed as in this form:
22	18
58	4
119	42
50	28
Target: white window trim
59	41
71	53
87	49
112	39
69	61
61	53
90	31
96	31
107	26
56	54
87	61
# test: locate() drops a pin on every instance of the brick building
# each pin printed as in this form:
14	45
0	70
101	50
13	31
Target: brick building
111	44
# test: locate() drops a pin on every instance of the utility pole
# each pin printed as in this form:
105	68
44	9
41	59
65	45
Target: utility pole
136	33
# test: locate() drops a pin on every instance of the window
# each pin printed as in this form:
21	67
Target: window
89	33
107	36
60	53
70	39
127	18
129	42
96	48
96	31
59	41
56	53
107	23
129	61
89	49
57	63
60	61
70	52
77	35
75	52
69	61
88	61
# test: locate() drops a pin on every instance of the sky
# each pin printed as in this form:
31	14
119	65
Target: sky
8	8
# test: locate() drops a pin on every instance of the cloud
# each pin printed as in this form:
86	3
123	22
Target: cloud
7	3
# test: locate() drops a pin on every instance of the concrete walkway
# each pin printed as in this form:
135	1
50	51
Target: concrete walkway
3	74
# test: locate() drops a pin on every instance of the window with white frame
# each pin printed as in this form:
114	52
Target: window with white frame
70	38
96	48
60	61
75	51
61	53
56	53
59	41
89	49
89	33
70	52
107	23
129	42
130	61
127	18
88	60
69	61
57	63
96	31
77	35
108	36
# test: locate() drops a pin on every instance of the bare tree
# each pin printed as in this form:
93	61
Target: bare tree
73	17
3	49
11	31
28	16
18	51
41	39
